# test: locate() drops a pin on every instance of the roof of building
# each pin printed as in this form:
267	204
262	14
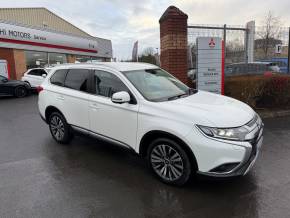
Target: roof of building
119	66
40	17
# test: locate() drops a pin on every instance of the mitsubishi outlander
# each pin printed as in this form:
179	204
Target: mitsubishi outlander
178	130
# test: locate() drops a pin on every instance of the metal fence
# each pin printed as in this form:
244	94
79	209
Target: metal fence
236	38
233	36
272	46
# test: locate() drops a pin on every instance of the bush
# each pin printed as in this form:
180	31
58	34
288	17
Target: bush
270	91
276	92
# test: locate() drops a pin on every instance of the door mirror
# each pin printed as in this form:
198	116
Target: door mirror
44	75
4	80
121	97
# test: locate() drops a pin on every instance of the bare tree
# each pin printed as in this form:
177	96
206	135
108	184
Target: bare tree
270	32
148	56
149	51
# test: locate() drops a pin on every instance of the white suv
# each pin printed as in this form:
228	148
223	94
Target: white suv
35	76
178	130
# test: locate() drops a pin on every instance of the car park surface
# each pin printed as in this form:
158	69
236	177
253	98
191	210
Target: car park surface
89	178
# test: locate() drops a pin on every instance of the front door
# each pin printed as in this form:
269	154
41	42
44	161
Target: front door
35	77
115	121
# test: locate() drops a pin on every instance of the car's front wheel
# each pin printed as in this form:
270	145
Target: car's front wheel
169	161
59	128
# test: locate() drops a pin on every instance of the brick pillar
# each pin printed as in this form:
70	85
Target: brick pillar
16	61
71	58
20	63
173	43
7	54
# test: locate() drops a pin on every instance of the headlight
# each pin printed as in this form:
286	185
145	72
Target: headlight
238	134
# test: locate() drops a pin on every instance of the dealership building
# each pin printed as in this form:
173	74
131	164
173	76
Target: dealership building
36	37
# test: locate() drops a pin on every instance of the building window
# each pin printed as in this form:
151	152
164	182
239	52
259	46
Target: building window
56	58
82	59
35	59
88	59
43	59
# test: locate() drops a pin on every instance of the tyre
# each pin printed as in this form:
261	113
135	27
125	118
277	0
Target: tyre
169	162
59	128
20	92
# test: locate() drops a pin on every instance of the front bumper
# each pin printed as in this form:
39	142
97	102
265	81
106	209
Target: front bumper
250	157
244	167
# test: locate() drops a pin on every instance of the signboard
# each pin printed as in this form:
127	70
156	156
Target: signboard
278	49
4	68
210	68
21	37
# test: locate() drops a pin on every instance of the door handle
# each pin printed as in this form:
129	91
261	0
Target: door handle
94	106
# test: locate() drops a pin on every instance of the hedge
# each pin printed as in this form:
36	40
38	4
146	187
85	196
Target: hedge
265	91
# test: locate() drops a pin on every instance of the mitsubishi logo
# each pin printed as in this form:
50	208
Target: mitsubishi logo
211	44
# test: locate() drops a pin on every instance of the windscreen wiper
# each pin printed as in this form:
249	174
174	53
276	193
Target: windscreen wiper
192	91
177	96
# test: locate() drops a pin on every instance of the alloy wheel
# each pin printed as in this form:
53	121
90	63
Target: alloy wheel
166	162
21	92
57	127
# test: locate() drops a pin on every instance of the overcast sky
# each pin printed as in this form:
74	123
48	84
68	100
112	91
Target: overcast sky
125	21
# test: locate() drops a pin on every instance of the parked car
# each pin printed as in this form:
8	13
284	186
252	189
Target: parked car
281	62
35	76
254	68
180	131
15	88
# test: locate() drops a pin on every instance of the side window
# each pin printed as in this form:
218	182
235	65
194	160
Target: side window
58	77
33	72
107	84
41	72
77	79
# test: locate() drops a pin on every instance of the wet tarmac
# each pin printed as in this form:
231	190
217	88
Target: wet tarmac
89	178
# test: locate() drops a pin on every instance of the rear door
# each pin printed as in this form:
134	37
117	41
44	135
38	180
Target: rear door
74	97
39	78
33	77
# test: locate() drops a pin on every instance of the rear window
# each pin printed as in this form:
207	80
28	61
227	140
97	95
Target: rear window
77	79
58	77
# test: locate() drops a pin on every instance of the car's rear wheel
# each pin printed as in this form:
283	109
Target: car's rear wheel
20	92
169	161
59	128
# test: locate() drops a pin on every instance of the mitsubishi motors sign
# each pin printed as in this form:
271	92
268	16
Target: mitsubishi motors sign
210	67
23	37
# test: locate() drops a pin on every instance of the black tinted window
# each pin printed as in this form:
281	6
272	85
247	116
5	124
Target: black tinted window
107	84
33	72
58	77
41	72
37	72
77	79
